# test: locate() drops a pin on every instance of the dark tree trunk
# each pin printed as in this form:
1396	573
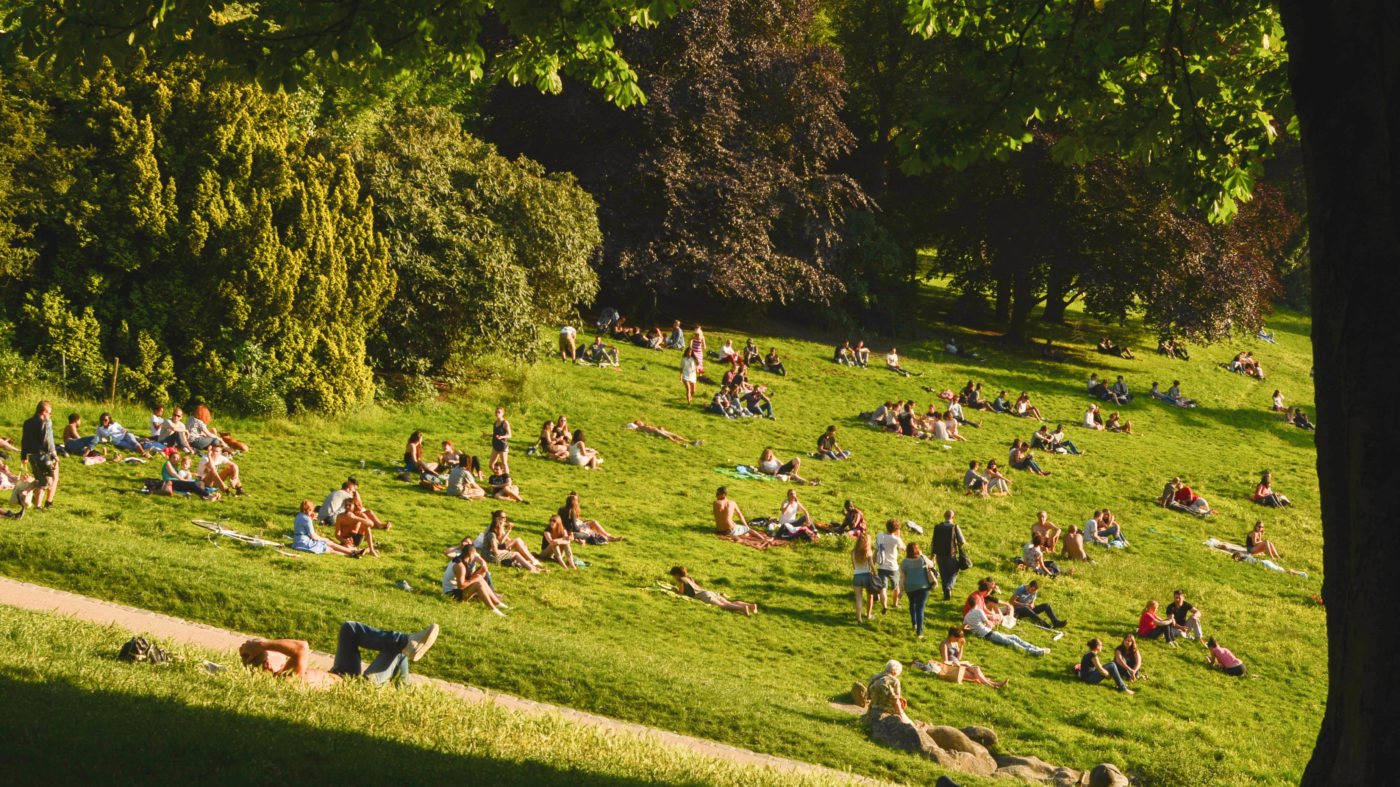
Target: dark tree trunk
1003	304
1022	301
1056	292
1345	68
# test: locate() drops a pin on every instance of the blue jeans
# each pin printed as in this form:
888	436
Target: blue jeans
354	636
1070	447
1031	465
1095	677
917	600
762	408
998	638
127	442
80	446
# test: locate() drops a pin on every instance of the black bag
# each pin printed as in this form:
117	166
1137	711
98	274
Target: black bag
138	649
874	582
964	562
45	462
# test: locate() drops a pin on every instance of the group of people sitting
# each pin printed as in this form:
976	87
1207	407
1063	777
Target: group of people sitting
556	441
460	474
1117	393
1171	349
1172	396
1182	620
859	355
1093	419
1244	363
903	419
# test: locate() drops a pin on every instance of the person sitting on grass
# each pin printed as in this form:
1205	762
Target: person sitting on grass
354	523
950	428
861	354
467	577
449	454
497	545
1120	390
1001	405
589	531
950	652
1058	441
1174	395
1093	671
676	341
461	482
1153	626
173	432
290	657
1106	530
773	363
1048	531
1023	606
180	479
688	587
304	535
1190	501
74	444
1115	424
955	409
726	511
1072	544
892	363
982	622
974	482
217	470
973	397
645	428
1256	544
112	432
1129	659
1300	420
1092	418
1033	558
758	403
852	521
844	355
1217	656
581	455
794	521
1186	617
413	459
1099	390
997	483
768	464
828	448
600	353
557	543
551	447
1025	409
1168	498
502	485
751	356
1021	459
1042	440
201	434
1278	401
1265	495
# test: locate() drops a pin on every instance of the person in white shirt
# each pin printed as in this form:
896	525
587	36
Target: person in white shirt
981	623
955	409
157	421
889	550
217	470
1092	420
568	343
116	434
892	363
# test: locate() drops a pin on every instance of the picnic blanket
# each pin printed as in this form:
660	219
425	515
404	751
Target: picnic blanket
755	539
1241	554
748	473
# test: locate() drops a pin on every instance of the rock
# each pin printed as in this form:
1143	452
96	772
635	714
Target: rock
1022	772
858	695
961	752
1107	775
1066	777
1041	769
983	735
954	739
891	730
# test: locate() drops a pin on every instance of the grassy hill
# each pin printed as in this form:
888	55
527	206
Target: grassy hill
602	639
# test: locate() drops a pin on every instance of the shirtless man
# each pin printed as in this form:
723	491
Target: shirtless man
344	510
1073	544
726	511
646	428
289	656
1047	530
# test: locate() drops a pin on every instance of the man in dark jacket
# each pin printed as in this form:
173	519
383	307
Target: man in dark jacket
36	445
947	537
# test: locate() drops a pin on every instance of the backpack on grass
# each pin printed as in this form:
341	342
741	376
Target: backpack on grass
137	649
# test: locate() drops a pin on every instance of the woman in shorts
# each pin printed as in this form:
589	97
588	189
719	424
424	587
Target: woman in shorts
687	587
768	464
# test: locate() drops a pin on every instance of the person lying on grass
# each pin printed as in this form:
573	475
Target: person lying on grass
828	448
467	577
1265	495
344	510
497	545
950	652
461	481
1023	606
557	543
413	455
982	622
581	455
1256	544
794	521
1216	656
1093	671
216	469
502	485
1020	458
645	428
290	657
768	464
589	531
180	479
1116	424
688	587
108	430
1153	626
305	538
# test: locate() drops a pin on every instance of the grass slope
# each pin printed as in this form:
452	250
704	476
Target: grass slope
602	640
176	723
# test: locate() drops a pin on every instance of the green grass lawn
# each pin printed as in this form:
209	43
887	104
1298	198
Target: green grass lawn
602	640
178	723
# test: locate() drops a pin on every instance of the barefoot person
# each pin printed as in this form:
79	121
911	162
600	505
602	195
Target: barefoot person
500	433
289	657
345	511
467	577
950	652
304	535
726	511
687	587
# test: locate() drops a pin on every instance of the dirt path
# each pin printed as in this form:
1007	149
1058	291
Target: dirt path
164	627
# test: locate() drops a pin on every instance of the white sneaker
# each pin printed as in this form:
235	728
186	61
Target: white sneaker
418	644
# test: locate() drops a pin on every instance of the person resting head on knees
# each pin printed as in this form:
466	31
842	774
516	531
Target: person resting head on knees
467	577
291	657
688	587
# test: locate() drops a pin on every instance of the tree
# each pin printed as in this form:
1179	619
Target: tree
485	250
293	43
720	185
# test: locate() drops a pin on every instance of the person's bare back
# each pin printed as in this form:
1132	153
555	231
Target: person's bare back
725	509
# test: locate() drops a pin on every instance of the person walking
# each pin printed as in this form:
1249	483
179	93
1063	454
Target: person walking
946	547
36	445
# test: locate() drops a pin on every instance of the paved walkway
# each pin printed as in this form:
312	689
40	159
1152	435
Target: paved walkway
164	627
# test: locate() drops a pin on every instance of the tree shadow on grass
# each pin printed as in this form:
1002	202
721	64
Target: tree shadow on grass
123	738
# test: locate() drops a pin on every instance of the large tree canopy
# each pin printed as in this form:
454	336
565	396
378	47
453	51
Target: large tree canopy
284	42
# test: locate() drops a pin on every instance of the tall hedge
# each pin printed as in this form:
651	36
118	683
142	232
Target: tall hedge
184	227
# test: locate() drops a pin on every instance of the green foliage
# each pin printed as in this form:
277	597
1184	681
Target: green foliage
189	220
63	338
484	249
1197	92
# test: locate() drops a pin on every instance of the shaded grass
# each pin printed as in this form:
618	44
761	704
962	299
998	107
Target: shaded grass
601	640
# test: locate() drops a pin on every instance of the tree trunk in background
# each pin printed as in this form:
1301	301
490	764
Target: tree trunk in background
1023	299
1057	295
1345	69
1003	304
